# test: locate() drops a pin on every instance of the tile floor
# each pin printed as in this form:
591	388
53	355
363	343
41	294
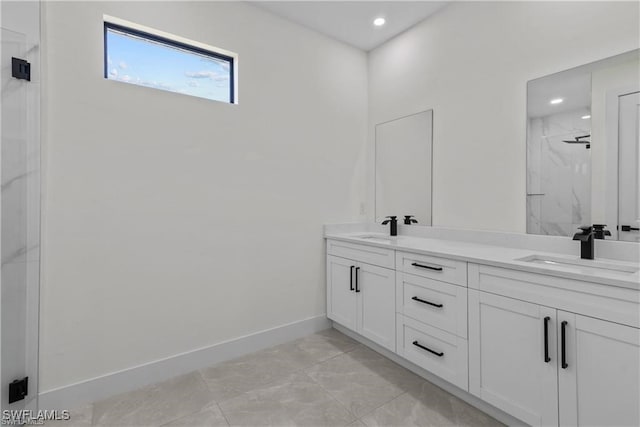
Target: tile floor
325	379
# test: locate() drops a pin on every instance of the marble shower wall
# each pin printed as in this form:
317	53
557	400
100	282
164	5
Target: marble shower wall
20	217
558	174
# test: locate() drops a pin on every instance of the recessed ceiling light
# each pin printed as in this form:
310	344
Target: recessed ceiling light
556	101
379	22
586	117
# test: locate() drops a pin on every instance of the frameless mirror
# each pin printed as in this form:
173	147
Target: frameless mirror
583	149
403	167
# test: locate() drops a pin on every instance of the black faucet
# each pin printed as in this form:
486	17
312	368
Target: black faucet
599	232
408	220
586	238
393	220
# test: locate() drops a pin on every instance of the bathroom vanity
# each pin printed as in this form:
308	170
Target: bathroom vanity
521	323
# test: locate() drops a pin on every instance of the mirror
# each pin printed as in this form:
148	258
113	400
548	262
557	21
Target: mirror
583	149
403	167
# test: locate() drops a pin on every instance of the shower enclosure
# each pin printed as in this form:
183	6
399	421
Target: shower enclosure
19	209
559	173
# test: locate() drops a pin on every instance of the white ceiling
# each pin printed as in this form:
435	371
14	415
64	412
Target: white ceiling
352	21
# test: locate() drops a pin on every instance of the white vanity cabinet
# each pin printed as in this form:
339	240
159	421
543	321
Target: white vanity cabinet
546	349
431	305
361	296
547	365
599	384
507	364
341	298
375	298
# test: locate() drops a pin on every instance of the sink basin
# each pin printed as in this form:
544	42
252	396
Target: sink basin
583	265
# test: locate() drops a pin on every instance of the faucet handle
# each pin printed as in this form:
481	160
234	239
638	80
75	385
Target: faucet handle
391	219
586	229
586	233
409	219
600	231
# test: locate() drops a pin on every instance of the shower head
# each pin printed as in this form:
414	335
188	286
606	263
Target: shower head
580	140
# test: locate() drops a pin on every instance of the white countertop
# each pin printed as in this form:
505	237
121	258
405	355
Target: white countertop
499	256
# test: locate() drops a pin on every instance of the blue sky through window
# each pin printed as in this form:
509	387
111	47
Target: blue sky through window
132	59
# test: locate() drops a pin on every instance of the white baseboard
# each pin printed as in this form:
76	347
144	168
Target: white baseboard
94	389
445	385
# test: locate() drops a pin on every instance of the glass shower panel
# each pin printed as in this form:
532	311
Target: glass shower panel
19	226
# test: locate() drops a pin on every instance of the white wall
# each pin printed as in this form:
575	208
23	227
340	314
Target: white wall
470	62
171	222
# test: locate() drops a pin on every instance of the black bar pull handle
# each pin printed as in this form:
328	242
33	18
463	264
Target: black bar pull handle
563	334
357	288
427	302
351	277
415	264
547	359
417	344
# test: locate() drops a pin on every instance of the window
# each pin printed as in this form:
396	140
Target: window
145	59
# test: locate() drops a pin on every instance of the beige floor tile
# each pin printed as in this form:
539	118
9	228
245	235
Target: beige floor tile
393	373
426	406
325	345
156	404
295	400
80	417
231	378
363	380
467	415
322	379
211	416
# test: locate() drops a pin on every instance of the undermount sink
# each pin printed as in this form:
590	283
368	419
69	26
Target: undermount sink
378	237
582	265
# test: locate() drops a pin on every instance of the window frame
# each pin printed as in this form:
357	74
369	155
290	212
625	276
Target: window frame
172	43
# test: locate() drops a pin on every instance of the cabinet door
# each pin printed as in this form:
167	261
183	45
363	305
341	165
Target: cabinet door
508	365
599	381
341	295
377	304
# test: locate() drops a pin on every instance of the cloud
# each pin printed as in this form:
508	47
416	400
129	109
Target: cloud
193	83
200	74
205	74
123	65
126	78
113	72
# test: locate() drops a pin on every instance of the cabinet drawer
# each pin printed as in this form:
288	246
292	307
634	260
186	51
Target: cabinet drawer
445	270
434	350
368	254
435	303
